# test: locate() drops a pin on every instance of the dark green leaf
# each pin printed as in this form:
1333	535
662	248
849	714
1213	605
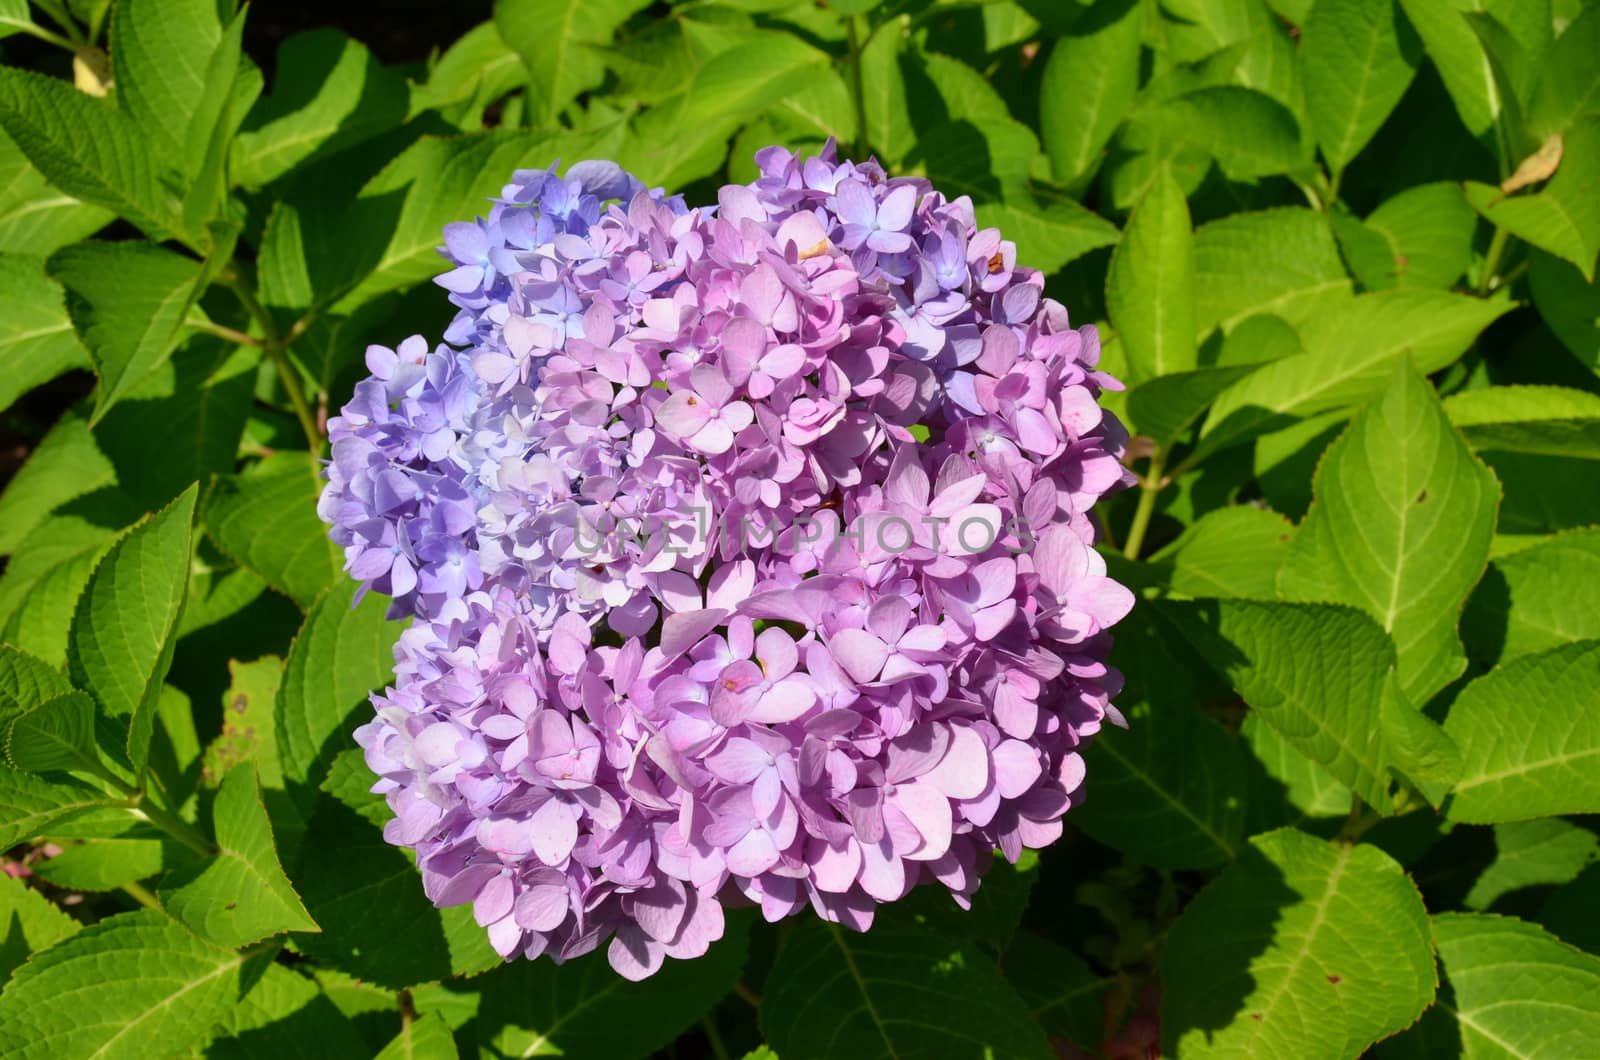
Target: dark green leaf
1170	790
896	992
341	654
266	519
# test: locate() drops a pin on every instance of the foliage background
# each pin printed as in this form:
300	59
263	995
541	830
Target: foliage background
1355	801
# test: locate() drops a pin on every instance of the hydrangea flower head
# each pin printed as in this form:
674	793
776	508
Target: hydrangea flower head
749	555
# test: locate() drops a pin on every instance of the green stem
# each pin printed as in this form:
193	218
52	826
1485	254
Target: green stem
747	995
64	20
222	331
140	894
858	85
1491	260
174	826
1149	490
35	30
274	349
714	1036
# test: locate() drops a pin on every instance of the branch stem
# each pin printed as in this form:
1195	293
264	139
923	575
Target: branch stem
1149	490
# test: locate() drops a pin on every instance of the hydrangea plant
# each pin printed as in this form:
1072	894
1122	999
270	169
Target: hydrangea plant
730	553
749	551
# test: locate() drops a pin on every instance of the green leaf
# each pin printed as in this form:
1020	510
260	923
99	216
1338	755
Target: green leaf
1569	304
535	1008
1568	87
381	926
1281	261
1060	989
26	683
34	217
57	734
266	520
247	732
1164	407
1349	356
1529	732
1420	238
134	985
1536	599
65	465
37	342
127	301
1250	134
1518	991
240	896
124	626
160	50
1049	230
30	806
1150	291
1458	54
1563	218
1314	672
1088	86
1554	420
1235	551
896	991
1170	790
45	577
29	923
1360	56
1533	854
342	653
424	1038
750	77
1195	29
432	183
106	864
1569	911
87	148
329	93
1300	941
552	36
889	129
1301	784
192	409
286	1014
210	219
1400	527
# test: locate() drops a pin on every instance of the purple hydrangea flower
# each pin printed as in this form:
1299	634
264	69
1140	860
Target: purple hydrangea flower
749	556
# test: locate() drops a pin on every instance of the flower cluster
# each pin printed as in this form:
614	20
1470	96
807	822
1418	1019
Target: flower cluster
611	716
